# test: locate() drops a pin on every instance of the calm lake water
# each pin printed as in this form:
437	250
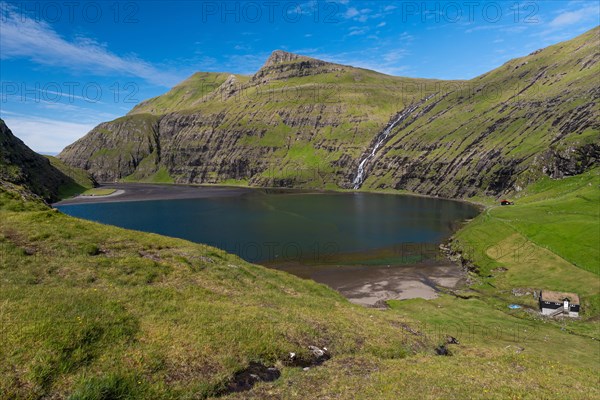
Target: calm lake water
268	227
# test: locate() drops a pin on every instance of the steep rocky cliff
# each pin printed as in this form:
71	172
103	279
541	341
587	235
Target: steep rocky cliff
19	165
294	115
308	123
117	148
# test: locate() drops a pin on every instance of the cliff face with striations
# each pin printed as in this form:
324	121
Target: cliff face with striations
118	147
304	122
294	116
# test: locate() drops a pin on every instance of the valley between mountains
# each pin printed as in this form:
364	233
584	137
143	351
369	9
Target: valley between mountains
93	311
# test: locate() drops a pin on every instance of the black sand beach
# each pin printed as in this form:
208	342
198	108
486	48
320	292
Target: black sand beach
144	191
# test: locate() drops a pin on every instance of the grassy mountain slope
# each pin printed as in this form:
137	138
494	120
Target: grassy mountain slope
82	180
47	177
188	94
297	121
534	116
124	145
308	123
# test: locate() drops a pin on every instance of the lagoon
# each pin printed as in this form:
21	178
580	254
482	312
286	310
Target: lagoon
302	232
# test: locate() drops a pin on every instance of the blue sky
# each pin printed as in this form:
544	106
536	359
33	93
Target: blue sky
66	66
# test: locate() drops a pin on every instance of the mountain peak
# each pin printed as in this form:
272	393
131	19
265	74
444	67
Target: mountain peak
280	56
282	64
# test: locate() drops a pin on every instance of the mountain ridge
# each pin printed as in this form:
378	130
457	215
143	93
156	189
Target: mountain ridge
303	122
281	56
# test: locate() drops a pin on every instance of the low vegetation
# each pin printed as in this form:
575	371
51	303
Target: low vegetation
81	180
148	316
153	317
98	192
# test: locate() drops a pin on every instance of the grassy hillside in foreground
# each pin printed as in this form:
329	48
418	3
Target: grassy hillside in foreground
87	309
90	311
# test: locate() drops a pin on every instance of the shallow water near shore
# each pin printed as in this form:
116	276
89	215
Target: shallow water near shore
367	246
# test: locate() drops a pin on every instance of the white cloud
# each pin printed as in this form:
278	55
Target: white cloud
361	15
392	57
356	31
567	18
395	70
23	37
243	47
42	134
381	24
351	12
568	23
406	37
306	51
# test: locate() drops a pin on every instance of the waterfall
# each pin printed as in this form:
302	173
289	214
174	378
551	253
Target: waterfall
381	137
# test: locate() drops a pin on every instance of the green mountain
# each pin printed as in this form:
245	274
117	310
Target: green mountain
303	122
46	177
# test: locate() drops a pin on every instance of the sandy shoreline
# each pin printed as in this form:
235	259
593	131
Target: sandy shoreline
366	285
101	196
147	191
